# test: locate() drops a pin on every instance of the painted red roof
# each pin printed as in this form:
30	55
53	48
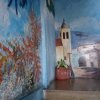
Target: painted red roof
58	42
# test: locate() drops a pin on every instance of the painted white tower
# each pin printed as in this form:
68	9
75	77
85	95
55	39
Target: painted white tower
65	36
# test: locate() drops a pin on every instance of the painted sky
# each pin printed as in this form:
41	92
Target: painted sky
80	15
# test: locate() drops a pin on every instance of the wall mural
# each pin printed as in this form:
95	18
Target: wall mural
21	3
79	35
19	50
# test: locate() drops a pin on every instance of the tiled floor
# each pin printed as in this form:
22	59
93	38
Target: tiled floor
76	85
74	89
72	95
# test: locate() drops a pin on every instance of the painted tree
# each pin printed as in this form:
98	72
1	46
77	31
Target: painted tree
35	32
31	44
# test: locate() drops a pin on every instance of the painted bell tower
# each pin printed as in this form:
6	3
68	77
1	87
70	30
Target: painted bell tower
65	36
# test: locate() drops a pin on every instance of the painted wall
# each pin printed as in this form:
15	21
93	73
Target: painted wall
19	55
83	18
48	44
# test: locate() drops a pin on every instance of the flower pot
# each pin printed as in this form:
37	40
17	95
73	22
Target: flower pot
63	73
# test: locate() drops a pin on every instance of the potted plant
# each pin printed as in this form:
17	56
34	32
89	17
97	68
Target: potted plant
62	70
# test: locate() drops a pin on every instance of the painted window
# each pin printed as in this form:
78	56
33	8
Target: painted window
67	35
64	57
63	35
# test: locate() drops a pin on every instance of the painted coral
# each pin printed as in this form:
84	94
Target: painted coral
20	62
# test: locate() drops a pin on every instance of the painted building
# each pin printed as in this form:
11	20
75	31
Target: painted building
90	56
59	49
63	44
86	60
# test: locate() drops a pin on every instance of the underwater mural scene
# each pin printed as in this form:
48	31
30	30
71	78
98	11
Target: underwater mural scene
20	36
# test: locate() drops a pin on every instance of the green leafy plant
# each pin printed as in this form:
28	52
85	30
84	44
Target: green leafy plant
62	63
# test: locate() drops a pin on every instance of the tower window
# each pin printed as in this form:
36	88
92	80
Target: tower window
63	35
64	57
67	35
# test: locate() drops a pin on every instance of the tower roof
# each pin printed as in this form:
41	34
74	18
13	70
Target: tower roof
58	42
64	25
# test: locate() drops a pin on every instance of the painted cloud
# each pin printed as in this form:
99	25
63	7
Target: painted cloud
85	24
4	15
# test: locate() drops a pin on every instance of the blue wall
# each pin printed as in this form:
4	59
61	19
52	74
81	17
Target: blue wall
16	55
16	27
48	45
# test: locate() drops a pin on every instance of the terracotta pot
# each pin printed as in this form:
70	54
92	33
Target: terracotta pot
63	73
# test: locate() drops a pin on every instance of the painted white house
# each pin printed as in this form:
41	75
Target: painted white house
92	55
63	44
